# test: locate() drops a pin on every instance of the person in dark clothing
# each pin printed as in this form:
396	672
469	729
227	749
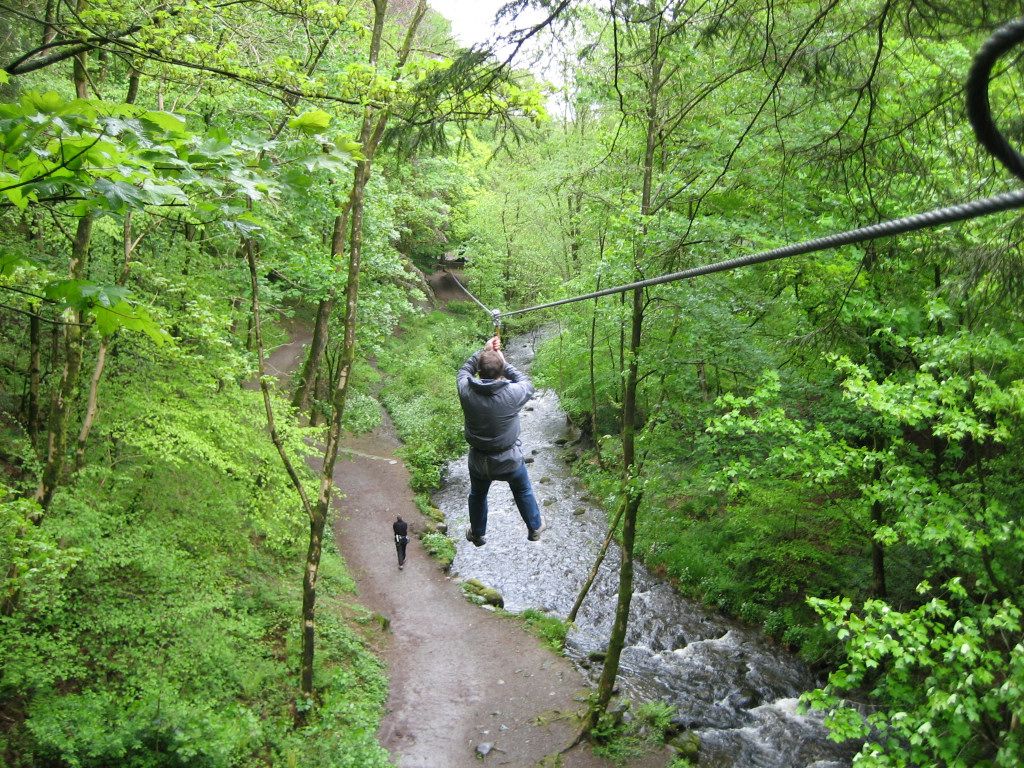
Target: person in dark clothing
401	529
492	393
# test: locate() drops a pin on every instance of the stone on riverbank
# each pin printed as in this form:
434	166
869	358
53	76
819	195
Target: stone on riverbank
686	745
481	594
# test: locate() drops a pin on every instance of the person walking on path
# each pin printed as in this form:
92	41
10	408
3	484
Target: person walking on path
492	393
401	529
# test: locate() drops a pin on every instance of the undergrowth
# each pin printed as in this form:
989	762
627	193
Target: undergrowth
550	629
439	546
623	734
153	611
419	388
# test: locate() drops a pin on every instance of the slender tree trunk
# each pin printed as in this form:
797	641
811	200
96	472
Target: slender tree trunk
323	315
338	402
80	73
878	587
49	28
631	503
593	380
92	403
632	496
315	520
585	589
250	255
316	394
32	409
309	376
133	86
370	135
64	393
622	347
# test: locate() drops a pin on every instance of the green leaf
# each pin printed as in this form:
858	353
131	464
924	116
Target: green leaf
9	262
120	195
110	319
349	146
47	103
167	121
313	121
83	294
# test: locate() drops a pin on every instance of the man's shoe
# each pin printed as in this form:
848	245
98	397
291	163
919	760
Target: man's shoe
478	541
534	535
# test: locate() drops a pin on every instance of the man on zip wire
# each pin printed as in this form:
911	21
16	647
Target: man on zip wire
492	393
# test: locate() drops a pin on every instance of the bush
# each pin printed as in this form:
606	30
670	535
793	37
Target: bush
425	410
440	547
550	629
154	607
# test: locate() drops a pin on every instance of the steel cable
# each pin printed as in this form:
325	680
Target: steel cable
979	113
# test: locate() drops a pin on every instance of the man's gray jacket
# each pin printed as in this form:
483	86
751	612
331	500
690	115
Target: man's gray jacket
491	409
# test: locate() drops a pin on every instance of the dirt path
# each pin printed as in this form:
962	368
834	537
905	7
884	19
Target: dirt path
460	675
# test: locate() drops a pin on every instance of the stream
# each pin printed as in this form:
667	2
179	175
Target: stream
731	686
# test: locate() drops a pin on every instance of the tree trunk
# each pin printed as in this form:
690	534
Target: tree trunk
338	401
80	73
32	409
317	345
369	137
92	406
631	502
593	381
878	588
64	393
316	523
49	28
323	315
133	86
632	496
597	564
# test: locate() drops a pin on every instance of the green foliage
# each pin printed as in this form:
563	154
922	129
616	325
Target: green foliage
427	509
847	424
426	413
941	667
150	608
427	193
621	739
440	547
550	629
164	600
362	413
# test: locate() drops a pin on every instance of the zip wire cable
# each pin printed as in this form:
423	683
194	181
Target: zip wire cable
979	113
494	313
465	290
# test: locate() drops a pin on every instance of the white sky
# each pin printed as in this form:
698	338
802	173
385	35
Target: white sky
473	24
473	20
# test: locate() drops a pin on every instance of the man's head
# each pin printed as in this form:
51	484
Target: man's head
399	520
491	364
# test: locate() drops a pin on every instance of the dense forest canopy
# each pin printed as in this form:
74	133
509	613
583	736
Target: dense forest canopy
828	447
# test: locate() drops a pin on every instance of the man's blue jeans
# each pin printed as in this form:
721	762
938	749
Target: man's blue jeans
519	481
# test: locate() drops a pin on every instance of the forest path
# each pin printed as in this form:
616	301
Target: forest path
460	676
